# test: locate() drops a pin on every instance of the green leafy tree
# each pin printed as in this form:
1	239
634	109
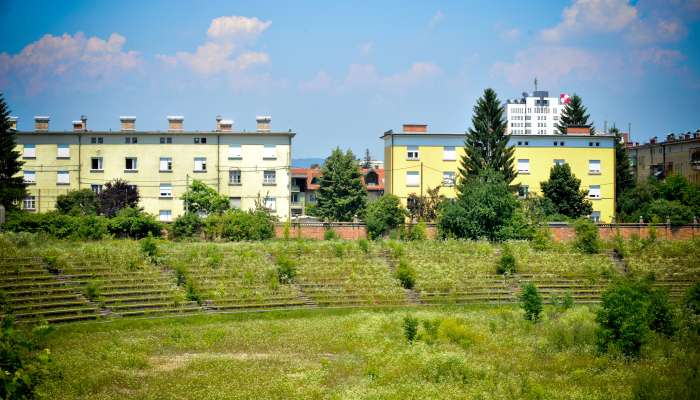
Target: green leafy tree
202	199
384	214
531	302
563	190
117	195
425	208
673	198
587	236
623	171
486	144
341	195
623	320
574	114
12	188
484	209
78	202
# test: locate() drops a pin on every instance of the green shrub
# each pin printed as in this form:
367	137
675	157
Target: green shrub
132	223
92	291
416	232
660	313
187	225
573	329
78	202
507	263
562	303
237	225
542	239
191	292
363	244
587	238
54	263
622	319
384	214
410	328
286	269
149	247
430	330
339	249
406	275
287	230
58	225
692	299
531	302
330	234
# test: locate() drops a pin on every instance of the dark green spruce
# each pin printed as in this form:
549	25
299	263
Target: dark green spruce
12	187
574	114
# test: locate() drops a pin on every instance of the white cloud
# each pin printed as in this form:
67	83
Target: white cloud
586	16
236	28
436	19
510	34
663	57
560	62
67	57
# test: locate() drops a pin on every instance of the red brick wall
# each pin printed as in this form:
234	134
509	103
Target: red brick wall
560	232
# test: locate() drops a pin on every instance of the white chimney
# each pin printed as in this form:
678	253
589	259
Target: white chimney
175	123
127	123
263	123
13	123
80	125
225	125
41	123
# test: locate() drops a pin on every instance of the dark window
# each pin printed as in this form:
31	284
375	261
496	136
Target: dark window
520	143
561	143
196	140
162	140
555	143
169	140
597	144
590	144
93	140
527	143
204	140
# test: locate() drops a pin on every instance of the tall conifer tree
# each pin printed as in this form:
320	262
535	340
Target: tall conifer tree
574	114
341	195
486	144
564	190
623	171
12	188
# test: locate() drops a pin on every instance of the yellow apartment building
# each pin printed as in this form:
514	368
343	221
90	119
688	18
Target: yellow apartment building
416	160
244	166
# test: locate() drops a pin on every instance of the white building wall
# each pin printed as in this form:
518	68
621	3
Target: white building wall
526	117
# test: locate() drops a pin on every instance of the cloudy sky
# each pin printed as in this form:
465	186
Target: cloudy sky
341	74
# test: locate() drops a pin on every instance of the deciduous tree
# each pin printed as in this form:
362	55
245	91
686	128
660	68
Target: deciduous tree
341	195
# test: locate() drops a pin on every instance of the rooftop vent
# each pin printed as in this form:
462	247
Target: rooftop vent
13	123
670	137
262	123
175	123
653	140
41	123
223	125
415	128
80	125
127	123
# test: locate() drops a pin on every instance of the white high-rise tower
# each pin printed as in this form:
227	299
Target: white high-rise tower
536	114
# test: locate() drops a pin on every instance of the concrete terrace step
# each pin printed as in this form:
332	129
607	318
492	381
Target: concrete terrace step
57	312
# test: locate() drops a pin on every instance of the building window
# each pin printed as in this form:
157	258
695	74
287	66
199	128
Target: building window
130	164
165	215
595	216
270	152
523	191
29	151
561	143
200	140
559	162
200	164
166	190
594	166
166	140
29	177
234	151
523	166
166	164
271	203
412	178
449	153
234	202
448	178
96	188
62	177
131	140
269	177
96	164
234	177
295	198
63	151
594	191
29	203
412	153
312	197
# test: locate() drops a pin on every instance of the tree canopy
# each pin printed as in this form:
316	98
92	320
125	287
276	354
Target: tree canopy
563	190
673	199
78	202
623	172
116	195
203	199
574	114
12	188
486	143
341	195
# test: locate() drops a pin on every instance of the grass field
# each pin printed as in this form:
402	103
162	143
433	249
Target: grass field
482	353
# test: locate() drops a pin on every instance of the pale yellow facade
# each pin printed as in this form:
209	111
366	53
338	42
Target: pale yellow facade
243	166
416	162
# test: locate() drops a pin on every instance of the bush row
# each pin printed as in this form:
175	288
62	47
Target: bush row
233	225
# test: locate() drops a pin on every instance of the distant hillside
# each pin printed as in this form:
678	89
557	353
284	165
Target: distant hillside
306	162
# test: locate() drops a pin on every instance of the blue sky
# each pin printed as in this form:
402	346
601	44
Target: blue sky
340	74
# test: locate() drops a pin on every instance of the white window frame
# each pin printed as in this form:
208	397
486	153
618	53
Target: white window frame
412	153
62	177
165	215
266	177
100	164
592	167
270	203
29	151
166	190
232	201
592	192
448	178
235	152
523	166
63	151
234	173
29	203
165	164
200	164
269	152
97	188
595	216
134	164
449	153
559	161
412	178
29	174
